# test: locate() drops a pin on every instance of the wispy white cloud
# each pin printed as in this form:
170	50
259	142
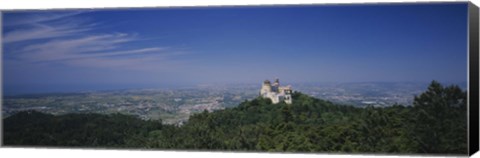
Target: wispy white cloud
96	50
79	44
40	31
43	25
64	39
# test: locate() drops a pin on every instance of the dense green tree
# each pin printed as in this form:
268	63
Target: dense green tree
440	121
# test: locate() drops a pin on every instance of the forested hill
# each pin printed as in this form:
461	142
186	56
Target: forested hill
435	124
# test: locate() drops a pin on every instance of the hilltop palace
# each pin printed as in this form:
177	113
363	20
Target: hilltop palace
276	93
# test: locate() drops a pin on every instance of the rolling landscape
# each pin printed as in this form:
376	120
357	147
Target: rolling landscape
174	106
435	124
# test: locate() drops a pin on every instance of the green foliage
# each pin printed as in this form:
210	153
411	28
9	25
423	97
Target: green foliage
441	119
435	124
83	130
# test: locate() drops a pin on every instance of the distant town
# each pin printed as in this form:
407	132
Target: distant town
174	106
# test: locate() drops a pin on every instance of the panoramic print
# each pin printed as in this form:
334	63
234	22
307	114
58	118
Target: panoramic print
357	78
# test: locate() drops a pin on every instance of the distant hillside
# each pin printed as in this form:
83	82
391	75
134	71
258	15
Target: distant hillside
171	106
435	124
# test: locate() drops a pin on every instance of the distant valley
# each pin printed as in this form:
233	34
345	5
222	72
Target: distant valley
174	106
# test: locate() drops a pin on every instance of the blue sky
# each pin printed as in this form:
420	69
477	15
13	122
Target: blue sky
138	48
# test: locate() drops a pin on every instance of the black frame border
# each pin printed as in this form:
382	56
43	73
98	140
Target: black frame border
473	88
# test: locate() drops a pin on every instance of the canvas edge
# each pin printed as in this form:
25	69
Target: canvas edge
473	79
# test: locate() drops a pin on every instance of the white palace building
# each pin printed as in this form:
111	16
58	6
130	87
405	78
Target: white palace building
275	92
